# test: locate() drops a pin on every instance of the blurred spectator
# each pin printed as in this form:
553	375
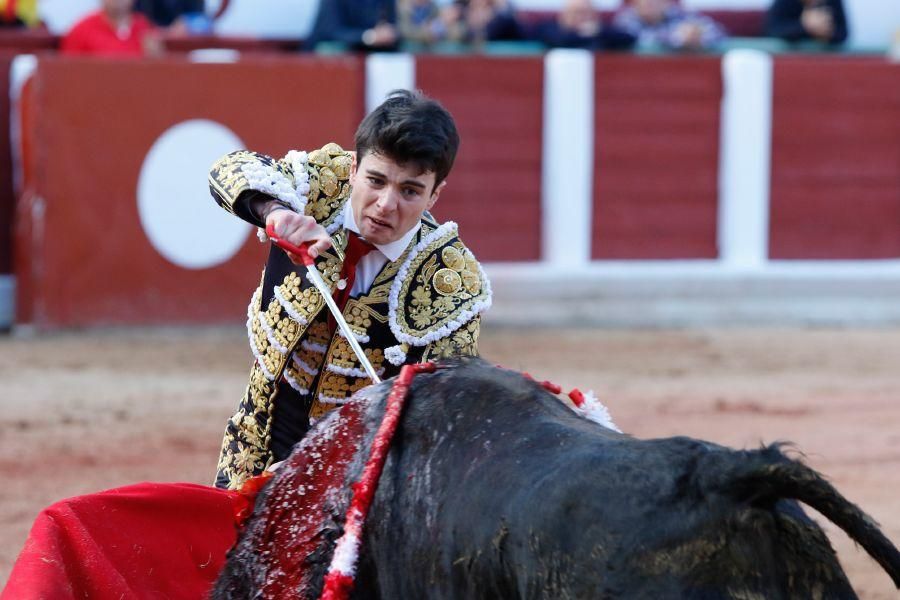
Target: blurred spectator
424	22
664	23
360	24
114	30
18	13
578	25
427	22
420	21
488	20
179	16
477	21
799	20
450	24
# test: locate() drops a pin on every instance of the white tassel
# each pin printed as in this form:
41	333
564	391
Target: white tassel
396	355
595	411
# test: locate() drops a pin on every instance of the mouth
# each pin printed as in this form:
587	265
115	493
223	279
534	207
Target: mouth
379	223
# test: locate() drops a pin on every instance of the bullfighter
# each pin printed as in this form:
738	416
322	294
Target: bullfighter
407	286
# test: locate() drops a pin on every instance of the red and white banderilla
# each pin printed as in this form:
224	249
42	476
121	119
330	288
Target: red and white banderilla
339	580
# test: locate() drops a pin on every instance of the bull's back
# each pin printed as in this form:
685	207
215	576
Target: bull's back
507	493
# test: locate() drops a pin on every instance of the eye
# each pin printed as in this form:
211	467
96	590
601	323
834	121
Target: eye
374	181
411	192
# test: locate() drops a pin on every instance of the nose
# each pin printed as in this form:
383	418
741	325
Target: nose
387	200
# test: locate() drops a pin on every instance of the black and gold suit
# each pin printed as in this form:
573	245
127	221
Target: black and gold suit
424	305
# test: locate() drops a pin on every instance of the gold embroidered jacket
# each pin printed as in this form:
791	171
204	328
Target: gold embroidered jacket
424	305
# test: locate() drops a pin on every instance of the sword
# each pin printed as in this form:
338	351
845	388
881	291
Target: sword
312	273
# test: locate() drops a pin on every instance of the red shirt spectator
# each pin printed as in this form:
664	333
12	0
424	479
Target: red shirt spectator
98	35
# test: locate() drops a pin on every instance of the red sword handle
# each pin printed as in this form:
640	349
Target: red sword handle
302	250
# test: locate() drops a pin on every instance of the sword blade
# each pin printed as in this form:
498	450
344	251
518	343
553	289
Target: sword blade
316	279
312	274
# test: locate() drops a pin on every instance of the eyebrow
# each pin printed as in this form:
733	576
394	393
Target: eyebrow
412	182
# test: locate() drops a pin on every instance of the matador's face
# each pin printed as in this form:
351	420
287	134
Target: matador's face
388	198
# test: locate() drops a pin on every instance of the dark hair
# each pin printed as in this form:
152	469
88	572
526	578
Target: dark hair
410	127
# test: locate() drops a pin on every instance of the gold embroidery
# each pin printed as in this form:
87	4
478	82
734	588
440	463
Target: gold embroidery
342	355
453	258
319	333
302	378
306	303
338	387
227	180
446	282
328	181
339	244
471	281
341	165
462	342
328	169
439	288
319	158
246	441
312	359
361	318
313	186
332	149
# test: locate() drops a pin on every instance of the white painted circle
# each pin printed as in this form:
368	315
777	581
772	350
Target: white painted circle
176	210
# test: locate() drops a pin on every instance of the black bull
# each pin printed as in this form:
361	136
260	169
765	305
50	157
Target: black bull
495	489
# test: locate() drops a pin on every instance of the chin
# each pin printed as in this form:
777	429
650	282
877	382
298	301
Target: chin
378	239
378	235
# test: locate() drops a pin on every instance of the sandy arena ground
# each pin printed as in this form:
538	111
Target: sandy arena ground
85	412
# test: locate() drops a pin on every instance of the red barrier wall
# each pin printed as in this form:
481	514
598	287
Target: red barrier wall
85	259
82	257
494	191
656	157
835	187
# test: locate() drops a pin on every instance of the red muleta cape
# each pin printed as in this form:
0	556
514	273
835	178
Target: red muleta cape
169	540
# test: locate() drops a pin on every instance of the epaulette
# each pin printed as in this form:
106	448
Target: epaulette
328	172
439	288
316	184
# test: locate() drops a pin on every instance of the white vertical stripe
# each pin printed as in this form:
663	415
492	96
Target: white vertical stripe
21	69
386	73
745	159
568	157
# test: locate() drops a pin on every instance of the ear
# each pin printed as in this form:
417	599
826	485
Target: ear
353	167
434	195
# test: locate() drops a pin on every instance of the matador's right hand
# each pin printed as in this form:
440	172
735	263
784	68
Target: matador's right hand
298	230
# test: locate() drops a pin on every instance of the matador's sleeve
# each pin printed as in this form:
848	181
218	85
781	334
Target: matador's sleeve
436	301
314	184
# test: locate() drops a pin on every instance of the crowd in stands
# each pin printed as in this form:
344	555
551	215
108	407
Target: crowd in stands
665	24
132	27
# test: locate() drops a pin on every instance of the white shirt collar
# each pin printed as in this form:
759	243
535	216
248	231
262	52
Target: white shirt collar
392	251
